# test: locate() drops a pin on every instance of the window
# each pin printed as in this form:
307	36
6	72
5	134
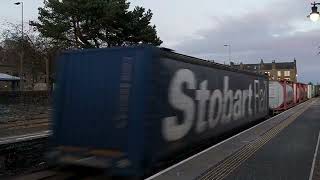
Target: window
279	73
286	73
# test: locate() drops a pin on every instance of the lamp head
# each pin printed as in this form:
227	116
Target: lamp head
314	15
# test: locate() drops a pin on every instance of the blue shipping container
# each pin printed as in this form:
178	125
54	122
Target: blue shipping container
124	109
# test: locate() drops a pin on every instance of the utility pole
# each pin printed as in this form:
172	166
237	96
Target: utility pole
22	50
229	51
47	73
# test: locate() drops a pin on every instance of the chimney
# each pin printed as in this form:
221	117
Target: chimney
261	64
261	61
241	65
273	64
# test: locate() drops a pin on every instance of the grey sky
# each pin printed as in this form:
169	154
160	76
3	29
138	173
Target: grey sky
268	29
9	12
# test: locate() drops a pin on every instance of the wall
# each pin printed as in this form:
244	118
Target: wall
24	105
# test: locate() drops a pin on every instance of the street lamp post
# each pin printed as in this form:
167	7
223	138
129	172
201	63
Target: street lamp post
314	15
22	50
229	51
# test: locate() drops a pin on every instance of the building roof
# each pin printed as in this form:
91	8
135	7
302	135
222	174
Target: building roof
251	67
267	66
7	77
279	65
285	65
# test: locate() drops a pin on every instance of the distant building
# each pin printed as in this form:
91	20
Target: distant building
8	69
10	65
8	82
275	70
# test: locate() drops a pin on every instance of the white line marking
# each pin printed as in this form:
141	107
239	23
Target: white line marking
214	146
314	158
24	137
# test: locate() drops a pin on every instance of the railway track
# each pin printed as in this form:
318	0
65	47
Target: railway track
25	124
64	173
40	121
19	152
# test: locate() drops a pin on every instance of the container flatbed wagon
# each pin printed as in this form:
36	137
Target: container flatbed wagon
126	109
311	91
305	92
317	87
300	92
281	96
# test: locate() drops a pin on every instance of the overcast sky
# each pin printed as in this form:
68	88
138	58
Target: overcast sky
268	29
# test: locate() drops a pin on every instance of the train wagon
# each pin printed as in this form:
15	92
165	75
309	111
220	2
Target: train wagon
296	93
305	86
317	90
300	92
305	92
281	96
127	109
311	91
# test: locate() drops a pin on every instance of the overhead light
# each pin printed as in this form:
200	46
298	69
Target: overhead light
17	3
314	15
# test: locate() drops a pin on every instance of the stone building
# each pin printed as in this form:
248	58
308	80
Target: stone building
275	70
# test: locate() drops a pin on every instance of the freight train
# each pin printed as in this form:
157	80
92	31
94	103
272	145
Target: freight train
127	109
284	94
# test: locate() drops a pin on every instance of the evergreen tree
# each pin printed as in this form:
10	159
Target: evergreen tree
95	24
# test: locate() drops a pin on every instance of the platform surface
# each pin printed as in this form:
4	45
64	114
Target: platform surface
289	155
284	147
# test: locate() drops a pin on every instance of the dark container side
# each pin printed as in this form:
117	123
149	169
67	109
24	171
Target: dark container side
193	101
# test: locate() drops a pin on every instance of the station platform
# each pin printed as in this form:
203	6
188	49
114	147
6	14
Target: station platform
24	137
284	147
